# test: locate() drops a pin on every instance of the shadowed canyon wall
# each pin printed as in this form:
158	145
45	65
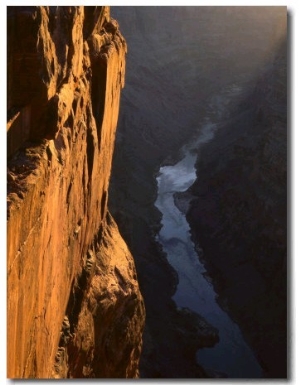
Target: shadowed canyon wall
238	215
184	65
74	305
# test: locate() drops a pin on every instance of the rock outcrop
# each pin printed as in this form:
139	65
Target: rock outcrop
74	305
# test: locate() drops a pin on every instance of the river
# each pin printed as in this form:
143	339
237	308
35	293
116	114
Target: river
231	356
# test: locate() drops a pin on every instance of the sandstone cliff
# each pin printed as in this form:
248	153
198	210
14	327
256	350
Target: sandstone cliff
74	305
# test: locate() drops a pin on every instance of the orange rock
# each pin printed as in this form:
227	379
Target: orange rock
68	103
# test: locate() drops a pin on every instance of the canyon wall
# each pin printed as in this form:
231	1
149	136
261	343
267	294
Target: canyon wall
74	308
181	63
238	215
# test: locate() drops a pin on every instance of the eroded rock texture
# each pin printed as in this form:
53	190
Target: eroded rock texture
74	305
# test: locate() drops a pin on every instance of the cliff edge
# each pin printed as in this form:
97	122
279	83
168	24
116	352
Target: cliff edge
74	308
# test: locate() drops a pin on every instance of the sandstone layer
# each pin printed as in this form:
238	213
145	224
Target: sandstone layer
74	305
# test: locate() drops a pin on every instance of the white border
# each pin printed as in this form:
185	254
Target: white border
293	9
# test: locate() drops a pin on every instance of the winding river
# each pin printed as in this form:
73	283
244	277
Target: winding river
231	356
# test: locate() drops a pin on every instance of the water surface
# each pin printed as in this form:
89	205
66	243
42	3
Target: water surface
231	356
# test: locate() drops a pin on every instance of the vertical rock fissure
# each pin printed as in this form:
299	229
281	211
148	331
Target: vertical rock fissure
98	91
90	143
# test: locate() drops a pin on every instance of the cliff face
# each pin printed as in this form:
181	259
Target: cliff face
74	305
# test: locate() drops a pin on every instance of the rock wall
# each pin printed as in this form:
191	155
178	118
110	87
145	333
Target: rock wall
74	305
